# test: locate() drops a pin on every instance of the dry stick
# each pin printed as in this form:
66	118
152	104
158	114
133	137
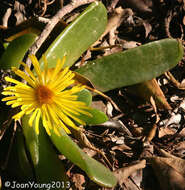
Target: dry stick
46	3
49	3
174	81
51	24
167	23
4	126
105	96
7	123
61	3
6	17
113	5
44	8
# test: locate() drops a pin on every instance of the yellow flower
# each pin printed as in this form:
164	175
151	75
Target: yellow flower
50	95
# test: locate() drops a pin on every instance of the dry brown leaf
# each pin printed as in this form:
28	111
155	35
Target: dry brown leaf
118	125
128	44
129	184
177	163
90	152
179	149
152	101
82	80
150	88
166	154
168	177
78	180
163	131
137	177
83	140
148	28
99	105
151	133
121	147
123	173
141	5
114	21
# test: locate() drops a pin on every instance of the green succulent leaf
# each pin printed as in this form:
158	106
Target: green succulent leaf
22	155
19	165
78	35
133	66
85	96
98	117
95	170
16	50
46	163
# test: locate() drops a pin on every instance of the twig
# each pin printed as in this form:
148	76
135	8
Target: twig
43	20
51	24
7	123
4	126
167	23
46	3
112	5
61	3
6	17
174	81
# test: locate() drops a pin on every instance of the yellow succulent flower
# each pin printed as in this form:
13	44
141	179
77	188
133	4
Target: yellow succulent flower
49	94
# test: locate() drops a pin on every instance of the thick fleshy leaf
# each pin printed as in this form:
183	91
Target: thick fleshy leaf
22	156
32	140
19	167
133	66
16	50
95	170
79	35
98	117
85	96
46	163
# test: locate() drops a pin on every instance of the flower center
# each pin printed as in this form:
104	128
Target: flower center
44	95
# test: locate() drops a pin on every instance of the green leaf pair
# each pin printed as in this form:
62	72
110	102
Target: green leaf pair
16	50
133	66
